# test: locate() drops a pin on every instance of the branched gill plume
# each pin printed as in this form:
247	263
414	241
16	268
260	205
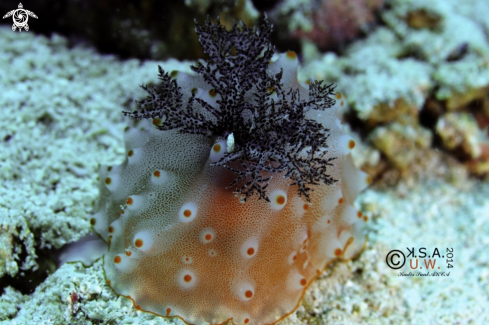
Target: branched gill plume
271	133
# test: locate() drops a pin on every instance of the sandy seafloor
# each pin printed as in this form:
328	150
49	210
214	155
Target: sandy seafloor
61	117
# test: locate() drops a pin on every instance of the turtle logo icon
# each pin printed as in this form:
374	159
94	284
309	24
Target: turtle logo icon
20	17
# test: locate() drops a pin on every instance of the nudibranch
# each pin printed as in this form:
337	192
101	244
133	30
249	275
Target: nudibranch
237	190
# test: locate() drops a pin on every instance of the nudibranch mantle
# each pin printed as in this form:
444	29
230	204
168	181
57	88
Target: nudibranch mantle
209	233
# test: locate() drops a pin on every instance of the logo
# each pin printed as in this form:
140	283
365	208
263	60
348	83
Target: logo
395	259
20	17
421	262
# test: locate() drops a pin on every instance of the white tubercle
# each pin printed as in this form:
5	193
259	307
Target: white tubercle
134	202
303	247
115	170
249	248
278	199
345	144
143	240
159	177
211	97
218	150
187	279
296	281
115	228
132	253
112	181
292	257
207	235
134	155
333	248
187	259
122	262
331	198
187	212
242	319
245	291
99	223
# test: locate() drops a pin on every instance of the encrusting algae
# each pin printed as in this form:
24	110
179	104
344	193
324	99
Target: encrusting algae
237	190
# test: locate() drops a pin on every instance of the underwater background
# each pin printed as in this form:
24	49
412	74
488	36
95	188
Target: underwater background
415	75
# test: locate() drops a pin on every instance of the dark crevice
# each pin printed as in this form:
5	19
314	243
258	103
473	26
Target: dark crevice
26	281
